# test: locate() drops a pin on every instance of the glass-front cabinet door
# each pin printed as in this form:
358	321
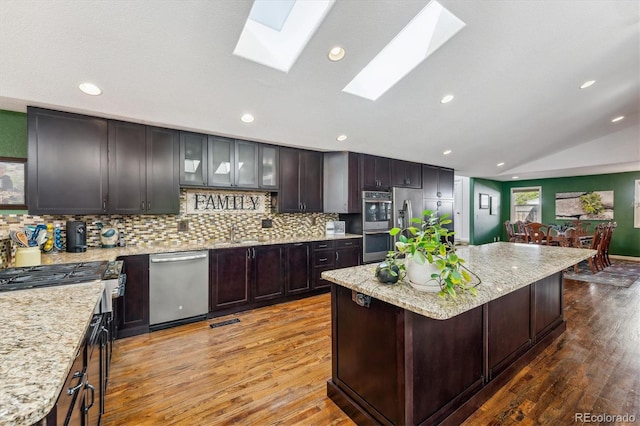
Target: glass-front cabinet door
246	164
221	159
268	171
193	159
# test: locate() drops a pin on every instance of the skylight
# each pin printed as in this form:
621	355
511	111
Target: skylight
428	30
277	31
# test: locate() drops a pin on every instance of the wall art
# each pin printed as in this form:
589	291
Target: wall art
591	205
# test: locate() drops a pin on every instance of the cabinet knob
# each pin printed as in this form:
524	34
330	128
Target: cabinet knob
439	194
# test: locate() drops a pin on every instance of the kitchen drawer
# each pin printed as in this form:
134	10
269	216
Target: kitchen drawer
318	281
323	258
347	243
322	245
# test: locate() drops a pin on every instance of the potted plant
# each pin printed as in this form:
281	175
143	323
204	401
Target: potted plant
431	262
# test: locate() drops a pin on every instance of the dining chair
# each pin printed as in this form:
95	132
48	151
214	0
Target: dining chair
595	261
610	227
536	232
512	235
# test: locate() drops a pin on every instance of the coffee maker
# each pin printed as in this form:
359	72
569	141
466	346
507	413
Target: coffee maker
76	236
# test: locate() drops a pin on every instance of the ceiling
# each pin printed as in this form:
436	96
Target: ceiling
515	71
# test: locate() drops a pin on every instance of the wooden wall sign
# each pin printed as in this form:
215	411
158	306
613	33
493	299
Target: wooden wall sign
206	201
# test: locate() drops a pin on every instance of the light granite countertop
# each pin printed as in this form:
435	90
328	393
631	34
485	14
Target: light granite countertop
98	254
41	331
502	267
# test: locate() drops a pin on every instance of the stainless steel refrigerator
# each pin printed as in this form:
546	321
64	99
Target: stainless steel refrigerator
407	204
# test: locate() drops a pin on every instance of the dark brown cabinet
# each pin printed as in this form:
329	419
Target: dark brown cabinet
375	172
143	169
268	272
437	182
193	159
334	254
298	268
68	163
229	276
300	181
133	307
241	276
406	174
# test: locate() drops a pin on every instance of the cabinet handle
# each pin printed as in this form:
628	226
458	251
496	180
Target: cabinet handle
104	205
249	253
337	256
71	391
439	194
298	244
348	244
142	205
324	259
148	205
253	249
93	397
322	246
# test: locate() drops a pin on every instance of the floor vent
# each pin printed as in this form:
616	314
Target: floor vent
221	323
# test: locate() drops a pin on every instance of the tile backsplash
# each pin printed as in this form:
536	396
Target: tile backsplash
163	229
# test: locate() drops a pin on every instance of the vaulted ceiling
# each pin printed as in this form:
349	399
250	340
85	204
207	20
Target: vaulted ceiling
515	70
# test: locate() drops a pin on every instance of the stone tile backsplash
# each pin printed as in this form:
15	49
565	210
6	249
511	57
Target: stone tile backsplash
163	229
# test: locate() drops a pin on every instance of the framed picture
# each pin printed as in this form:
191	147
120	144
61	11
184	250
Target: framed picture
484	201
495	206
13	183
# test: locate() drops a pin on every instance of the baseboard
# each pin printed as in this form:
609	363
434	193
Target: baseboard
629	258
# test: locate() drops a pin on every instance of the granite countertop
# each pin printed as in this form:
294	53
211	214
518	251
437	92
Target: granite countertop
502	267
98	254
41	331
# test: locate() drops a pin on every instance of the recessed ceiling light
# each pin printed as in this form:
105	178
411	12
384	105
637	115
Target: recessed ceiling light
446	99
276	32
514	177
432	27
341	138
500	164
336	53
90	89
615	120
447	152
247	118
588	83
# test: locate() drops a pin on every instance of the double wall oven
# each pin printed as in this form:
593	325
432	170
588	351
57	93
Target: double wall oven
377	211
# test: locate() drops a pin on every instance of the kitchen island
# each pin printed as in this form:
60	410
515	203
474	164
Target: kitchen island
41	331
401	356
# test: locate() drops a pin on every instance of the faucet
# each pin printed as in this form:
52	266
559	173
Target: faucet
232	233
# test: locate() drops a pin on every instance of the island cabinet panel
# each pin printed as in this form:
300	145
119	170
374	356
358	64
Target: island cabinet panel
229	277
133	307
298	268
509	329
268	272
548	305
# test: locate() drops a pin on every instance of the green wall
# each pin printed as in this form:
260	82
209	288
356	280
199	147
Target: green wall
13	140
486	225
13	134
626	239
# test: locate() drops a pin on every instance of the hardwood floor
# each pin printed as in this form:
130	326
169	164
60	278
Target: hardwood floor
272	368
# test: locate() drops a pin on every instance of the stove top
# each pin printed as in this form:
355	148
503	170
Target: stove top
51	275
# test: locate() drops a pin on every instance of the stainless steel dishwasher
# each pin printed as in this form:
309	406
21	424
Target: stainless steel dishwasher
178	288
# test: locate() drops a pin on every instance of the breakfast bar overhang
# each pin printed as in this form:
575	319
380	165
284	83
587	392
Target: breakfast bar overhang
405	357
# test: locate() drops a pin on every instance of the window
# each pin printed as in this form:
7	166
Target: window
526	204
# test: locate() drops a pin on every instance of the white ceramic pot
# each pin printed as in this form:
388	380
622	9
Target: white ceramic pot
419	276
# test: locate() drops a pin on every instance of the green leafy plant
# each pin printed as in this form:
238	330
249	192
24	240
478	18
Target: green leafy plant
591	203
429	242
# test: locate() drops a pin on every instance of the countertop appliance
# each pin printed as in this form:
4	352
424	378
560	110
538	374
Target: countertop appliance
76	236
178	288
377	209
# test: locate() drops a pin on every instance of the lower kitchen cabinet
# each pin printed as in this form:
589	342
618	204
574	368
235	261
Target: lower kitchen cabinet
268	272
298	268
133	308
334	254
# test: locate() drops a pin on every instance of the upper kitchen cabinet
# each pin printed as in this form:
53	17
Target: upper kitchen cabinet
268	166
437	182
232	163
341	183
68	163
406	174
300	181
193	159
143	169
375	172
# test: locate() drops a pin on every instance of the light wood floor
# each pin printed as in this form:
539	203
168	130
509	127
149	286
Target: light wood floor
272	368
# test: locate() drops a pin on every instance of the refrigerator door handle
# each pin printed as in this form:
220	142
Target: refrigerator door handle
408	211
